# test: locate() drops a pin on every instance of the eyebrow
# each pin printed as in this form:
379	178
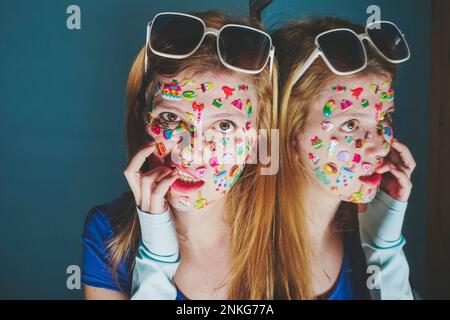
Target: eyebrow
361	114
228	113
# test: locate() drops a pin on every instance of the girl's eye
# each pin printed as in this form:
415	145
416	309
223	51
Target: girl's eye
225	126
169	117
350	126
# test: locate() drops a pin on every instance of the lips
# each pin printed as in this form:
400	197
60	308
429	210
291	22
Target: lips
186	187
373	179
187	181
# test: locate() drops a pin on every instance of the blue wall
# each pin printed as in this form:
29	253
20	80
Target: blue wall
411	118
62	113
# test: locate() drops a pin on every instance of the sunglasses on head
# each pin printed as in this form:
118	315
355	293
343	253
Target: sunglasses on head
344	52
240	48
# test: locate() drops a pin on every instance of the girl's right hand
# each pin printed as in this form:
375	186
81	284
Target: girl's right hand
149	188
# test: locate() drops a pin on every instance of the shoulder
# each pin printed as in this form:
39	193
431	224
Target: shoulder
98	231
98	220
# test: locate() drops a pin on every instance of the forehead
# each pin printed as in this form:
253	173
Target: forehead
218	86
354	89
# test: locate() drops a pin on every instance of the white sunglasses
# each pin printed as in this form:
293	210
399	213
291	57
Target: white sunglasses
344	53
240	48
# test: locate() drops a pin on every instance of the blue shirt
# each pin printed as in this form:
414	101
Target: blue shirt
97	272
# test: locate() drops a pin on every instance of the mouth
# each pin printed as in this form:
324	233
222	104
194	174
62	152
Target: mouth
374	179
185	182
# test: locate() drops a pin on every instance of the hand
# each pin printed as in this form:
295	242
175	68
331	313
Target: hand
397	169
149	188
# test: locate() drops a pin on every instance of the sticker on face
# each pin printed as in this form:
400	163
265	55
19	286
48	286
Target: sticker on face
172	91
328	108
183	119
347	165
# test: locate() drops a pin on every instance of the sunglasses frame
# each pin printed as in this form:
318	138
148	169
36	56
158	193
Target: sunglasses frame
207	31
364	36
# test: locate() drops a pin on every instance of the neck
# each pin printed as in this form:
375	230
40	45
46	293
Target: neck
321	212
203	228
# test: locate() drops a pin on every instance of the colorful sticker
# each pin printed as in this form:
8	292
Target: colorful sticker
356	158
200	202
364	103
198	107
340	89
185	201
332	147
189	116
374	89
327	126
156	129
346	104
227	91
357	92
167	134
242	87
328	108
357	197
316	143
359	143
314	158
348	139
345	175
387	132
234	170
227	158
189	95
161	148
217	103
321	176
386	84
172	91
206	86
249	106
180	128
367	167
343	156
330	168
201	171
237	104
213	162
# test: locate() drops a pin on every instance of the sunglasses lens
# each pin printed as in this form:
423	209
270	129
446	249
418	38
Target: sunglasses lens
175	34
389	40
343	50
244	48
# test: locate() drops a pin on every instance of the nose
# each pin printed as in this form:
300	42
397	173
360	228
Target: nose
378	143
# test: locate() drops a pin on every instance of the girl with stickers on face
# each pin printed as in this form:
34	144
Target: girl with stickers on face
337	141
195	96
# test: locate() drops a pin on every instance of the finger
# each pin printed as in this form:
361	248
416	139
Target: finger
147	184
405	155
402	178
138	160
385	167
164	184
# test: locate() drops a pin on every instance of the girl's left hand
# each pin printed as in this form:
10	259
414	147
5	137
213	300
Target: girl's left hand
396	169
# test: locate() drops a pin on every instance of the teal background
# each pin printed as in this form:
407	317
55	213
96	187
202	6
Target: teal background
62	116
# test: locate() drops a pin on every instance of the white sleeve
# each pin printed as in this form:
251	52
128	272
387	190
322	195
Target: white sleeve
382	242
157	259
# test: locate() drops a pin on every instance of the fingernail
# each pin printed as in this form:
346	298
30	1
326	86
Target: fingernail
150	143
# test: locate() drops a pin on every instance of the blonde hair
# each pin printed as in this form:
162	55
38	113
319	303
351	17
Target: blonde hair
294	43
251	202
